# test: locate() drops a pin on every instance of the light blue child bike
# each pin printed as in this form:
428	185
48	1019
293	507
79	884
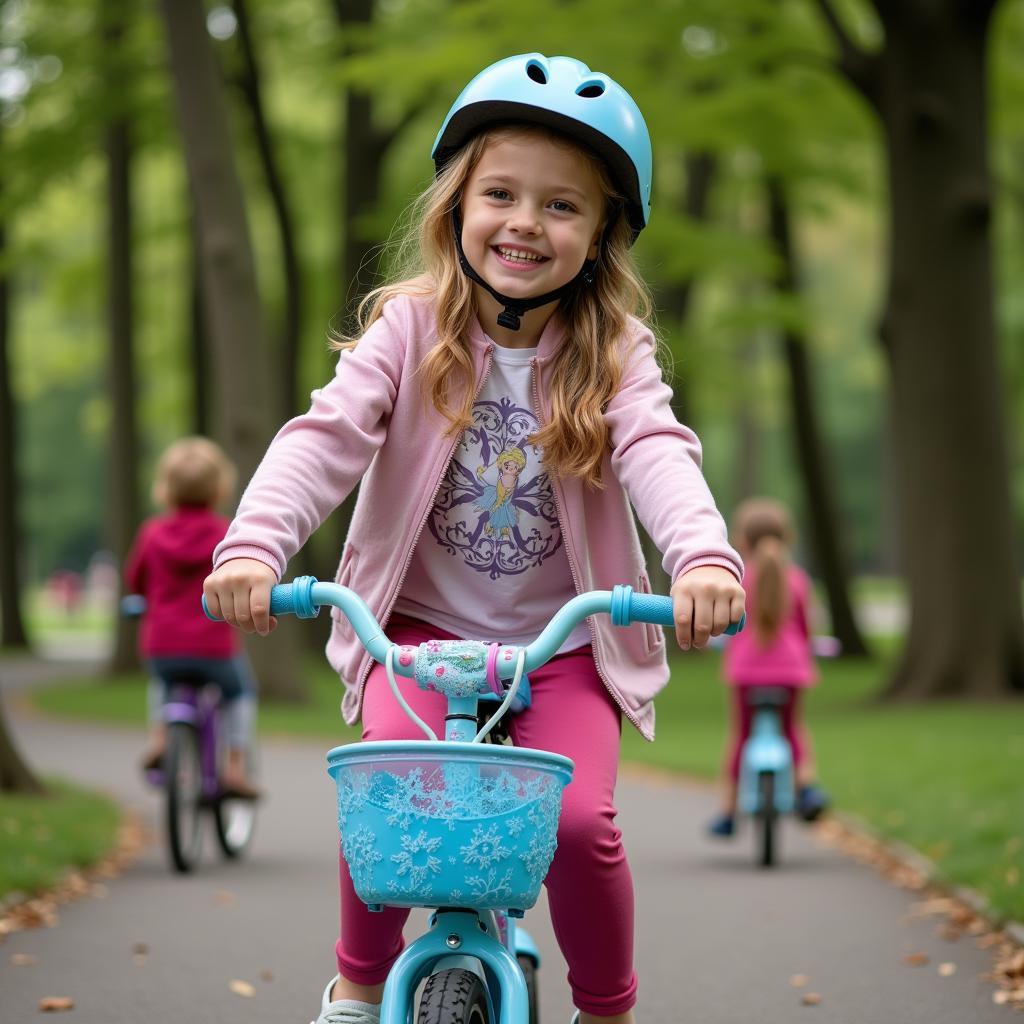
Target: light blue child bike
452	823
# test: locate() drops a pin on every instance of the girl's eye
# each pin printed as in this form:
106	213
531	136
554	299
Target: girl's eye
498	193
562	206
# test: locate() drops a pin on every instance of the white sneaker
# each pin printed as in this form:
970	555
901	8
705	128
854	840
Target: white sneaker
345	1011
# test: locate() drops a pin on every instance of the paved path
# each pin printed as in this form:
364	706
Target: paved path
718	939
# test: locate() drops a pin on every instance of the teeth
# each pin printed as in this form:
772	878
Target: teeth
518	254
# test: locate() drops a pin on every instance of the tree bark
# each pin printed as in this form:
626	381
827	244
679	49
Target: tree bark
234	318
823	515
928	84
250	83
15	774
123	511
12	625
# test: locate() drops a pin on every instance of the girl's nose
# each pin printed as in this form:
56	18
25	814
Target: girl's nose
525	219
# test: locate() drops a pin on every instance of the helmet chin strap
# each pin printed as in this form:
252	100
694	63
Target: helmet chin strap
511	315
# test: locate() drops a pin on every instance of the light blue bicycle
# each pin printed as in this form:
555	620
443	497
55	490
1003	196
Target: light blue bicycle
454	823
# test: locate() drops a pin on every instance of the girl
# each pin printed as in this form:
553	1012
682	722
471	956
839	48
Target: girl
774	650
169	558
514	334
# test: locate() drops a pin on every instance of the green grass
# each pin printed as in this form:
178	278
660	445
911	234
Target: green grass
944	778
41	837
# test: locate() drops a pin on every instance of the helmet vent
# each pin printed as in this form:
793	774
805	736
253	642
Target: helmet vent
589	90
537	72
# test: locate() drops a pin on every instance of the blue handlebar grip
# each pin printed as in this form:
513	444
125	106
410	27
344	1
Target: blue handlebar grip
658	609
282	599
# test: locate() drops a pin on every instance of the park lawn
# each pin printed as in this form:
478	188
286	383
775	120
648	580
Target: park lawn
944	778
42	837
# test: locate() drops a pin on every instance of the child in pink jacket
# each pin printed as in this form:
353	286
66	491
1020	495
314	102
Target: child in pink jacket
501	409
774	650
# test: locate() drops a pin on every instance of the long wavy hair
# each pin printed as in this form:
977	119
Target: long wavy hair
587	369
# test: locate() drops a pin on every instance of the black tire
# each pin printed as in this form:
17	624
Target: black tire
235	820
767	818
183	772
529	967
453	997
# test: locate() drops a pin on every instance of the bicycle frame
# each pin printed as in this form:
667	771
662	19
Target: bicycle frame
192	704
766	751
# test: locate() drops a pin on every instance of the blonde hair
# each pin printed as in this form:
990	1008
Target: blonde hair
764	528
193	471
587	369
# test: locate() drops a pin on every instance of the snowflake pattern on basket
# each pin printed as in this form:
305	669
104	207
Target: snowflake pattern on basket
433	832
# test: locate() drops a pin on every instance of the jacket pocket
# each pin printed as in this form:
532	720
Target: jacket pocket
654	637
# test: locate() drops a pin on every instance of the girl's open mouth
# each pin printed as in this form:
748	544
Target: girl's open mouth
518	259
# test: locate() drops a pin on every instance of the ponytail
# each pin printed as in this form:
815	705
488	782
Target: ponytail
764	529
771	594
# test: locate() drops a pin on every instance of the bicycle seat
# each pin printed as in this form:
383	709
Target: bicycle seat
766	696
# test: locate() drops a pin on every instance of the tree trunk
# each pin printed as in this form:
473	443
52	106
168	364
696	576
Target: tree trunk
123	513
198	342
15	774
823	515
250	83
231	298
12	625
966	635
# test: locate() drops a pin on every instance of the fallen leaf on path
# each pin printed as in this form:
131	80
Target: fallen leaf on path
267	974
55	1004
916	959
1000	998
810	999
947	970
242	988
23	960
140	949
799	980
223	897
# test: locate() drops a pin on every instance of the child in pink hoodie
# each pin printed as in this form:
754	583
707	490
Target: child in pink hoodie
169	560
774	650
501	410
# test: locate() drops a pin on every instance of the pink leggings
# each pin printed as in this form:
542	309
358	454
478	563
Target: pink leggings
743	720
590	889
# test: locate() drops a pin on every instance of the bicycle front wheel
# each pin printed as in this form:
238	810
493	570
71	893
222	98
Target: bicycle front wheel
453	997
184	781
767	817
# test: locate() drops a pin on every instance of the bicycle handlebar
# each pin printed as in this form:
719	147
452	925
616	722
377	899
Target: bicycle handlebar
305	596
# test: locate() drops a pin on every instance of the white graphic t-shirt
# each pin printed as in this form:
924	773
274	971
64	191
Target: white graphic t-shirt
490	563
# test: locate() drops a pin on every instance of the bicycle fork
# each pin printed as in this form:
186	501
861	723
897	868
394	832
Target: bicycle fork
461	938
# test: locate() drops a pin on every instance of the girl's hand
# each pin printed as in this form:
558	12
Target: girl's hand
705	601
239	593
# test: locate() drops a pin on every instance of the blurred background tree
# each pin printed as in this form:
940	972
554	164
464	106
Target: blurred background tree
798	144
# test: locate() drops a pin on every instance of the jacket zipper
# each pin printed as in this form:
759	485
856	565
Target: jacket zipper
571	558
361	683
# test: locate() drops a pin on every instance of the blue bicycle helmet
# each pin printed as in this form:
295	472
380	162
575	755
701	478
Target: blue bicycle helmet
563	94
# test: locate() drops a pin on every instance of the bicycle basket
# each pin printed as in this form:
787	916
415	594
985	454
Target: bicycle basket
427	824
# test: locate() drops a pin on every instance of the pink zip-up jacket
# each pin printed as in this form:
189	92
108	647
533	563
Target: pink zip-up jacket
370	424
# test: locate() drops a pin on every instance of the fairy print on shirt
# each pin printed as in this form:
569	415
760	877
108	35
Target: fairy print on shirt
495	509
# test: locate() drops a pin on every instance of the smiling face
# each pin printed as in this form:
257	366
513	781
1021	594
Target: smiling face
532	213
